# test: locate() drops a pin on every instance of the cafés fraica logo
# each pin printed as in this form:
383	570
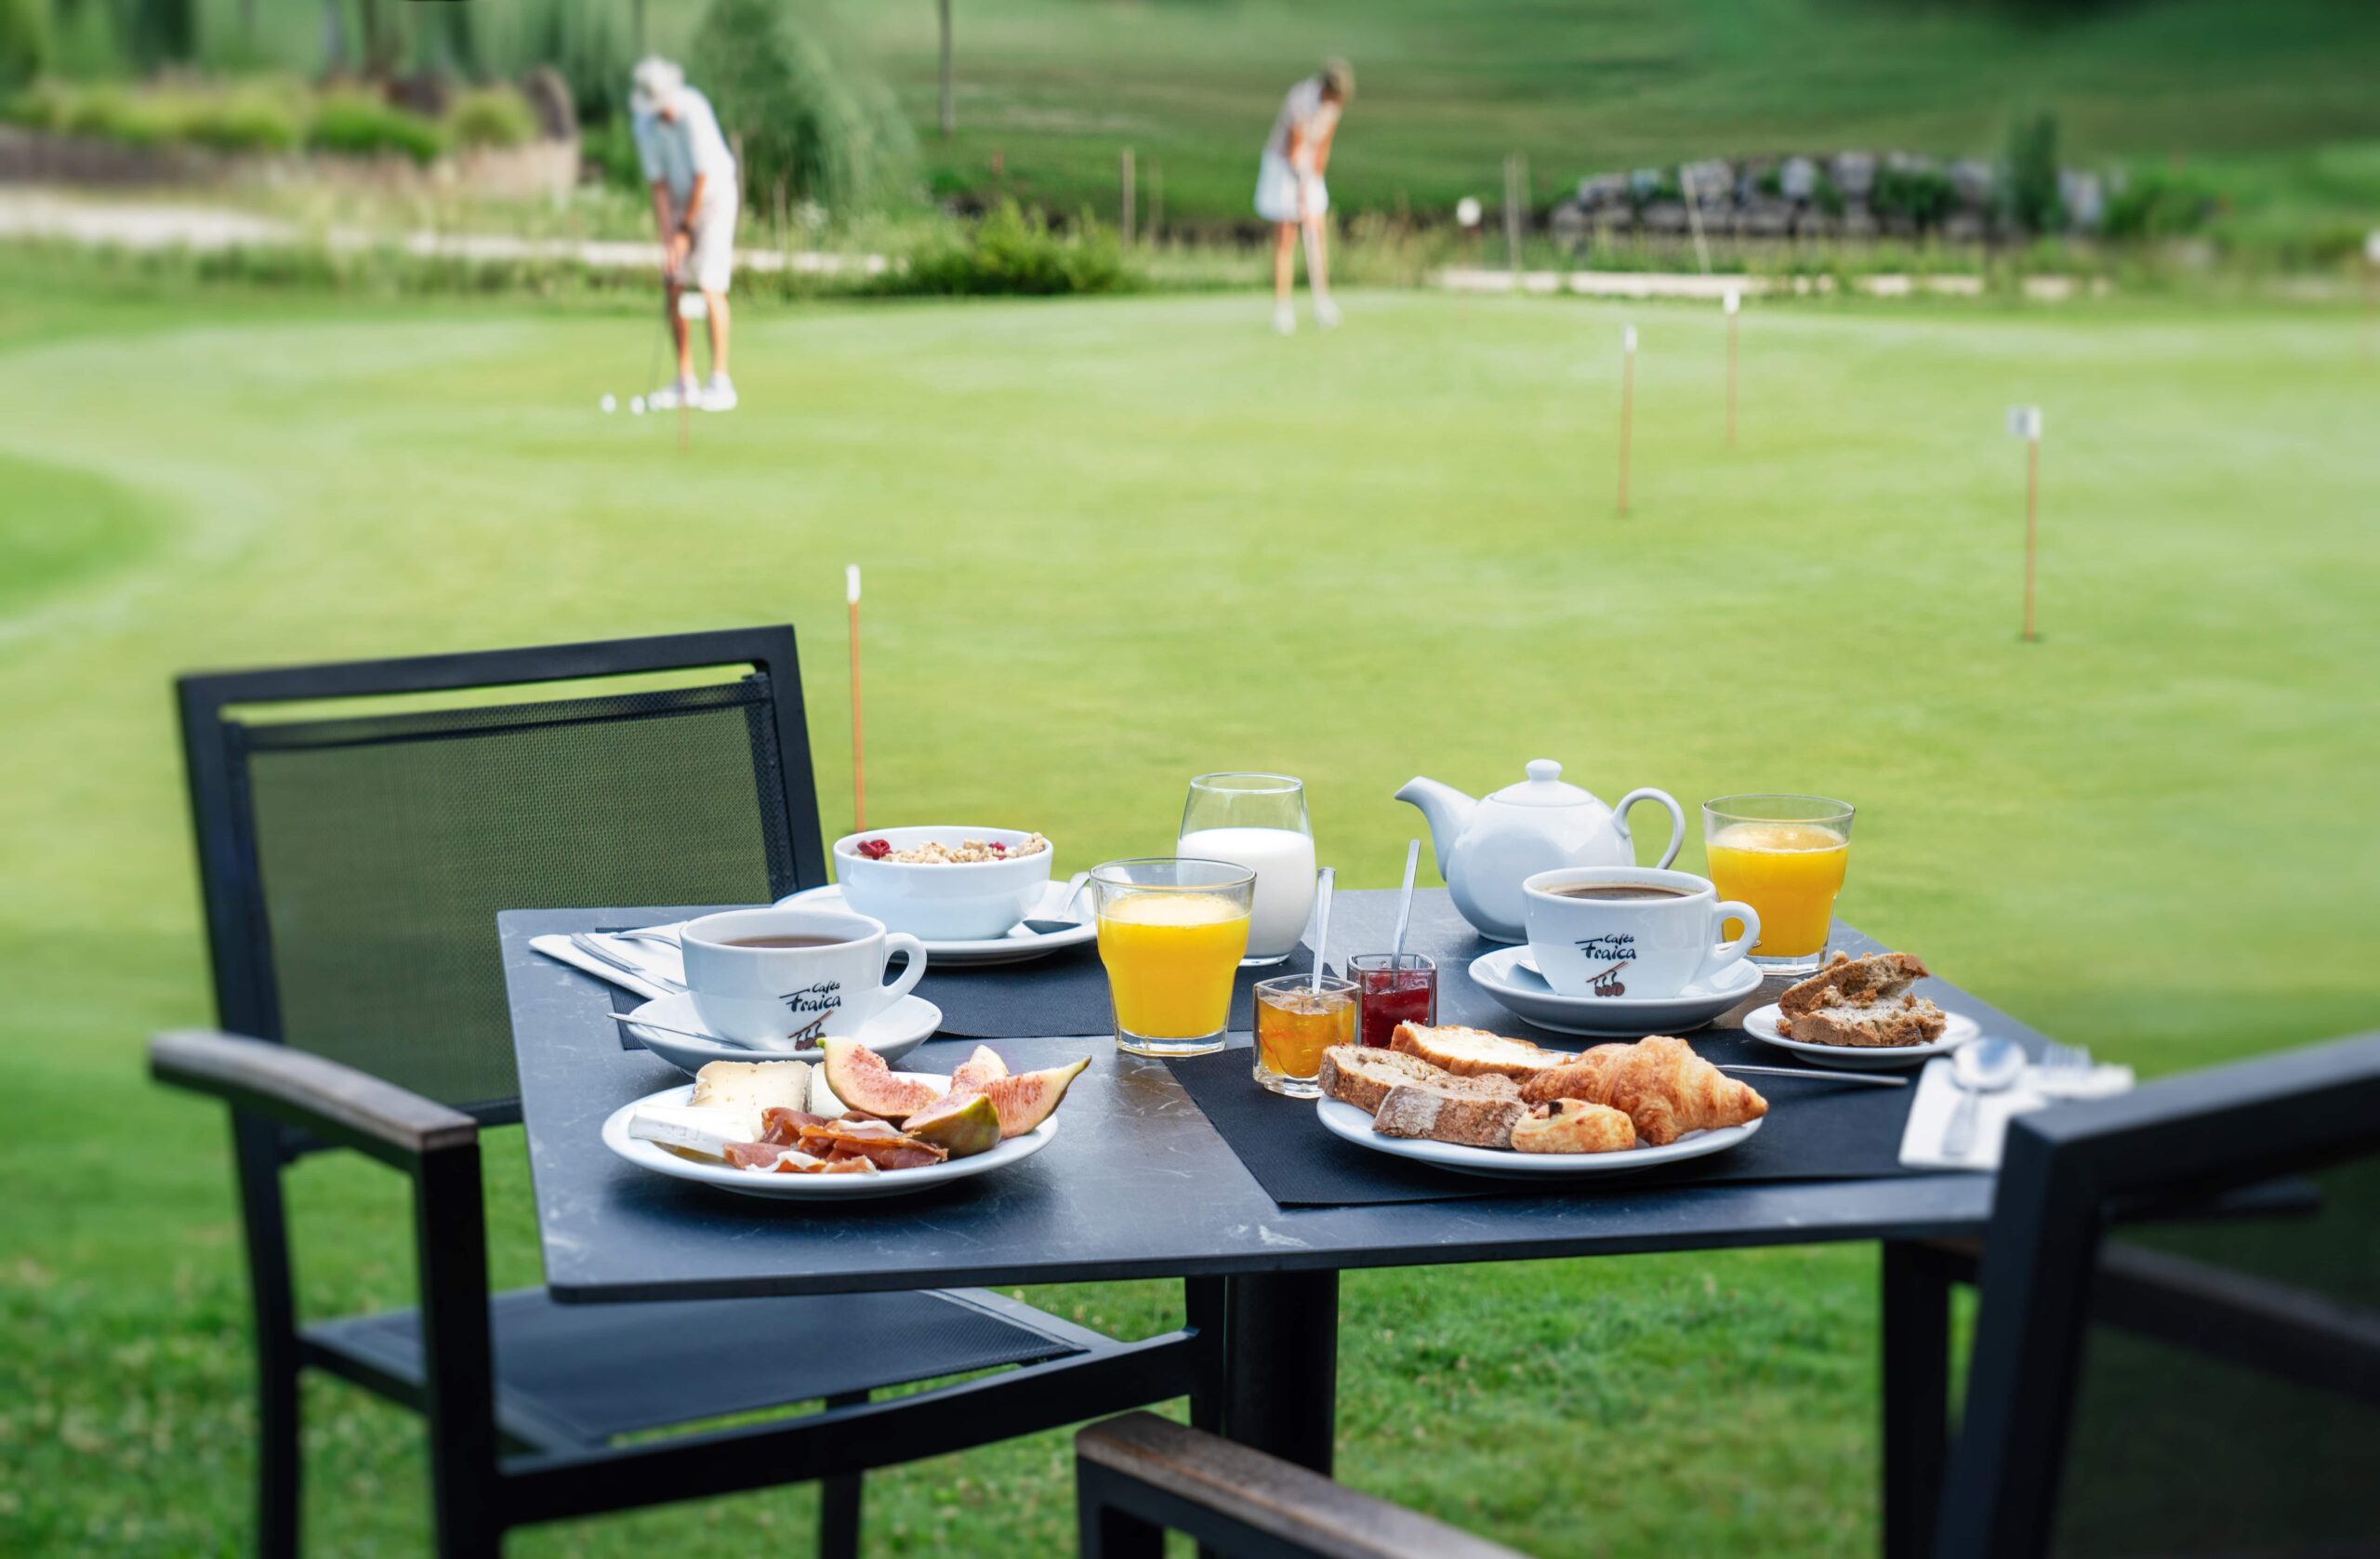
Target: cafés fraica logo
824	996
1615	952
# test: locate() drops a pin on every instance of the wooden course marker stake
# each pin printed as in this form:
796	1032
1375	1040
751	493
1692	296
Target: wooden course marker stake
859	768
1627	405
2025	422
1733	303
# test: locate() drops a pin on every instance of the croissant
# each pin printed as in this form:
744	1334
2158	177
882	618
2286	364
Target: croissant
1659	1083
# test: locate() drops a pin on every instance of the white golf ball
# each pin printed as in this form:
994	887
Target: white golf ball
1466	211
636	406
610	406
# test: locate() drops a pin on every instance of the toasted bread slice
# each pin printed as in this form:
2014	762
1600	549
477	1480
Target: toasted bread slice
1849	982
1913	1020
1353	1075
1574	1126
1467	1110
1471	1053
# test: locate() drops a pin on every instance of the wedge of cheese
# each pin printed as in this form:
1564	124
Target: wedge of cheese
703	1130
752	1085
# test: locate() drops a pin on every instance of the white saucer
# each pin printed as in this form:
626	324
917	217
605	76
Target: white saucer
813	1188
892	1033
1351	1124
1510	977
1761	1023
1015	947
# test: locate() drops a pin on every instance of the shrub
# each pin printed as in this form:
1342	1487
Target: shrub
2154	205
611	147
361	125
2033	175
1923	195
491	116
810	126
24	43
112	114
1013	251
249	119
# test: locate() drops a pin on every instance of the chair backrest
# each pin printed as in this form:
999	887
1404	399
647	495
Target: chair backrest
2177	1350
354	857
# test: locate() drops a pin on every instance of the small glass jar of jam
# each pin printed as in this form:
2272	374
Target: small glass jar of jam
1391	989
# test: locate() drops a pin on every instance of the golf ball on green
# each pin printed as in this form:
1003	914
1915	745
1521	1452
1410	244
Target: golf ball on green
609	405
636	406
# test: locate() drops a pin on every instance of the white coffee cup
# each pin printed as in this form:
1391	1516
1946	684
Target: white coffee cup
1654	946
829	986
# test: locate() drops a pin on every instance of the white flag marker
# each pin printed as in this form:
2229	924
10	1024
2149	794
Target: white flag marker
1732	301
1627	406
2025	422
859	768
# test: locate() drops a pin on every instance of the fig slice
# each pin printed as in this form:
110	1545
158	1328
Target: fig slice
977	1072
962	1124
1025	1100
859	1078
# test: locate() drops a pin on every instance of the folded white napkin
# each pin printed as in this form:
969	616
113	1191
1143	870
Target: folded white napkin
1937	1098
653	956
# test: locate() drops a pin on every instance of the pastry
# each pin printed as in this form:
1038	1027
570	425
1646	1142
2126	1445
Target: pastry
1659	1083
1574	1126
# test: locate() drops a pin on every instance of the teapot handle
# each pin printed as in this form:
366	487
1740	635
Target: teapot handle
1677	820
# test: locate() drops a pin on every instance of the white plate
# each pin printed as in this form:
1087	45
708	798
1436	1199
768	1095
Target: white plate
1510	977
773	1186
892	1033
1345	1120
1761	1023
1015	947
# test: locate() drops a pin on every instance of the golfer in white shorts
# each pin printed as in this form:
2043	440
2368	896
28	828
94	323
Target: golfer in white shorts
693	175
1289	192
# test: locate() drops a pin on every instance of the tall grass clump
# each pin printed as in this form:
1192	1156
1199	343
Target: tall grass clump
490	117
811	127
359	124
1015	252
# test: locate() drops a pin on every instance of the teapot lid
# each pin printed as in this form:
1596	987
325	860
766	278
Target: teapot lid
1545	788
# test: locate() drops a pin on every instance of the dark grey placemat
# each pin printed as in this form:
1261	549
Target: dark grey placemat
1818	1130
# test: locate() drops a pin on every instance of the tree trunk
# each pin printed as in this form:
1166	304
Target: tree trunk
949	100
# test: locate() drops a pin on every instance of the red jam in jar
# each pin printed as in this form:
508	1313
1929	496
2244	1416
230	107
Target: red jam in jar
1385	998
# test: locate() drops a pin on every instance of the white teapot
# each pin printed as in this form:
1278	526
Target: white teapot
1485	847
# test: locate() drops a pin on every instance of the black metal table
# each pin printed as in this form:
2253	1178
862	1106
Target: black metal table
1138	1185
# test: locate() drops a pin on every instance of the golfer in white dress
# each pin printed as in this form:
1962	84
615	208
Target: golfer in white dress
693	175
1289	192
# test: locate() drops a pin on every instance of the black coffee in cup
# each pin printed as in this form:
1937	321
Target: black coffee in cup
1617	890
782	941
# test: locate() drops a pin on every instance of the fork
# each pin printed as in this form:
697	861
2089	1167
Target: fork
588	946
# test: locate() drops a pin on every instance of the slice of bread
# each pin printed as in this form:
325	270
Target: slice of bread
1574	1126
1471	1053
1353	1075
1864	1003
1849	982
1472	1111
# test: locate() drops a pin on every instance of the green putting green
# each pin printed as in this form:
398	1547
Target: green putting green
1109	545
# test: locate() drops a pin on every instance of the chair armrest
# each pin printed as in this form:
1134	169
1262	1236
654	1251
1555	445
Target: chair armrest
1286	1502
299	1089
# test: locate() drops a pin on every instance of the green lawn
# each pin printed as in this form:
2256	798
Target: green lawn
1109	545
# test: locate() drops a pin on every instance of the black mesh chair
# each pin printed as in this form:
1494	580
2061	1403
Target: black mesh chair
355	858
2209	1383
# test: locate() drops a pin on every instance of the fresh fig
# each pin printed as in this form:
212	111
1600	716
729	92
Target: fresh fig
977	1072
960	1124
1024	1101
859	1078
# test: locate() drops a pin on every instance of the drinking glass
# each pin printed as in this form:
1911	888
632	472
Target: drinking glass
1785	856
1171	930
1296	1020
1391	988
1257	821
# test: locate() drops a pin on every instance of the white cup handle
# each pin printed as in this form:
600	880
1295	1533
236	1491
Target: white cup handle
911	973
1725	953
1669	802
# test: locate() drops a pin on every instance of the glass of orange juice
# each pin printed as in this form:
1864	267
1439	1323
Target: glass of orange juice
1172	930
1785	856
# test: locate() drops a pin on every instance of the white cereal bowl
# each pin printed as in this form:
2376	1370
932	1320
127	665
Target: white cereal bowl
941	901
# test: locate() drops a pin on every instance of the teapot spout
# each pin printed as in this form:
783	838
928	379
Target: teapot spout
1447	810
